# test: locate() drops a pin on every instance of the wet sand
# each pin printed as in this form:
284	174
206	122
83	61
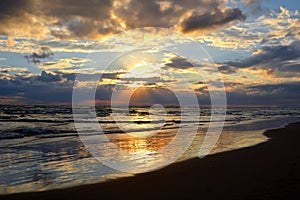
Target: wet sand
270	170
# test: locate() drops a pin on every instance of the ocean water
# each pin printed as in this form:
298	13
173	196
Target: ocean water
40	148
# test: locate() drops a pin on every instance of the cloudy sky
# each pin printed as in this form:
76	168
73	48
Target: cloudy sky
250	46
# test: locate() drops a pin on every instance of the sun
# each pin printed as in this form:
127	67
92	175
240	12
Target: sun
143	70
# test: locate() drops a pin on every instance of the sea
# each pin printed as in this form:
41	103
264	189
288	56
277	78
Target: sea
41	149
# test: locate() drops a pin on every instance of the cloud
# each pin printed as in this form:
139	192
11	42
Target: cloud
255	7
96	76
178	63
267	94
68	9
281	27
43	17
10	41
211	20
226	69
10	69
264	94
151	96
63	63
100	18
42	53
46	88
157	13
282	58
57	88
81	20
19	17
49	77
277	63
145	81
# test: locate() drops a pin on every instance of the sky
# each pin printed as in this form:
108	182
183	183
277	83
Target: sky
153	50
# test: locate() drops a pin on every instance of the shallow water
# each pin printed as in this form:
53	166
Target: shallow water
40	148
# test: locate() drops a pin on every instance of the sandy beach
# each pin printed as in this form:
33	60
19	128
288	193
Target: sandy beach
270	170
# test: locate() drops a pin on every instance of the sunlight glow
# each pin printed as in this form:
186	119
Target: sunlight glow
143	70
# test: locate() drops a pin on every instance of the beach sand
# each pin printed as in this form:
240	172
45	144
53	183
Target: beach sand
270	170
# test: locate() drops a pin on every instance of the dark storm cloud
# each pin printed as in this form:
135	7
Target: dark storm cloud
68	19
218	84
68	9
44	88
16	18
57	88
80	17
47	88
145	13
69	77
151	96
271	55
80	28
179	63
269	94
281	58
9	6
14	8
226	69
213	19
48	77
160	13
42	53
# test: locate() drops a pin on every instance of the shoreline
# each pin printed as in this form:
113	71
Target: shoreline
269	170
